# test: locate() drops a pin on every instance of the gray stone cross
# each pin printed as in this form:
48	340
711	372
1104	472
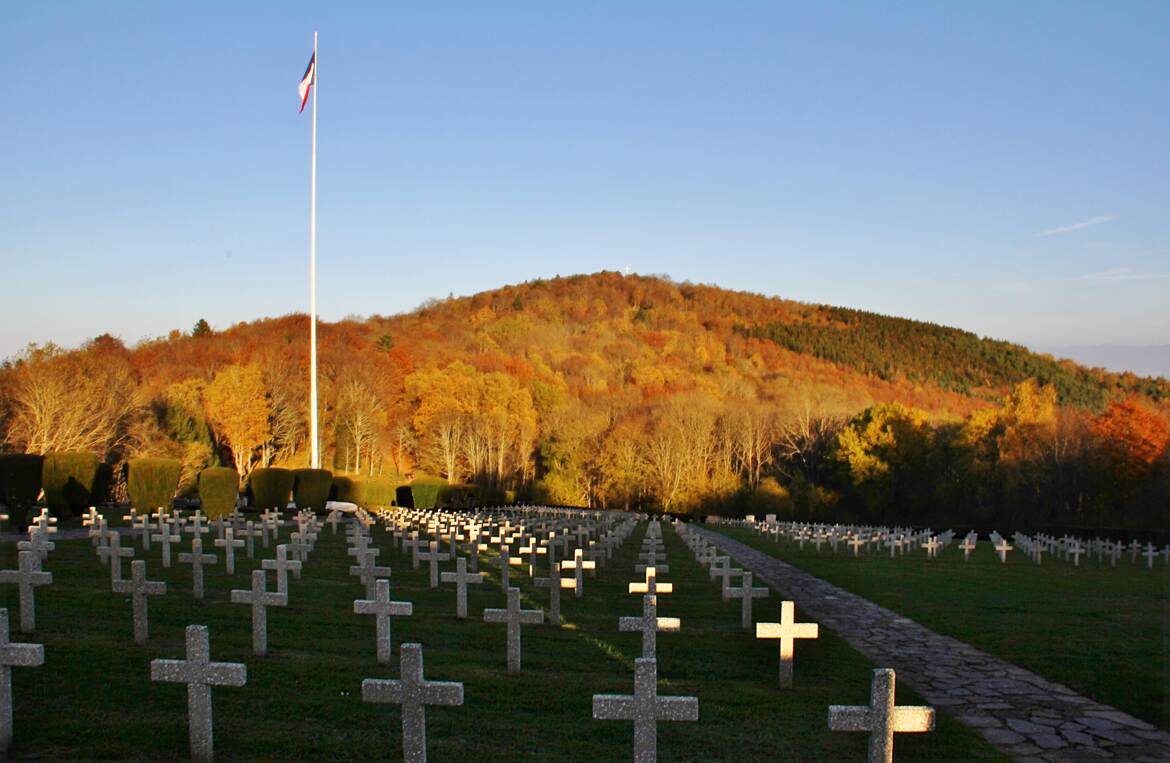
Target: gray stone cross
28	577
514	617
645	708
881	718
282	564
414	693
113	553
382	608
746	593
229	544
651	585
165	537
554	583
138	588
12	655
197	559
505	561
787	630
260	598
649	624
200	674
461	577
433	557
967	546
368	572
578	564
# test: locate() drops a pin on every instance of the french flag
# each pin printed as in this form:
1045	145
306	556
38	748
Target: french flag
307	80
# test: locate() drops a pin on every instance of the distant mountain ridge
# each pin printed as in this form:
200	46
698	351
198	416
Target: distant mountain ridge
1143	360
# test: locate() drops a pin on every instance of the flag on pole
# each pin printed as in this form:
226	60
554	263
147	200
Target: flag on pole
307	80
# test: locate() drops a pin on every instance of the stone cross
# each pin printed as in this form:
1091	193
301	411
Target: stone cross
197	559
260	598
250	533
577	564
504	561
787	630
138	587
12	655
651	585
967	546
200	674
413	544
282	564
649	624
881	718
382	608
38	541
554	583
299	547
167	539
514	617
746	593
433	557
229	544
460	577
113	553
1002	548
28	577
645	708
368	572
414	693
932	546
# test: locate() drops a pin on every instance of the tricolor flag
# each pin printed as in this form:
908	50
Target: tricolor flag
307	80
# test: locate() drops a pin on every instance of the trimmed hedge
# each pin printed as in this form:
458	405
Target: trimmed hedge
380	491
457	496
404	496
424	493
311	489
350	489
271	488
219	488
152	482
68	480
20	484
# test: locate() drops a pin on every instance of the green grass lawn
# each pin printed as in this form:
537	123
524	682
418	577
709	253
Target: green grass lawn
1102	631
93	697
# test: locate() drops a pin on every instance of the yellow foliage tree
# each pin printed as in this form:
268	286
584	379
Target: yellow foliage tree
237	406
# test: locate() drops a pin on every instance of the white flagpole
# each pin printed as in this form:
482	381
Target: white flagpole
315	457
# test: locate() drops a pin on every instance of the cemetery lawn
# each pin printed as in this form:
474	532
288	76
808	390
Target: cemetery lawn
1099	630
93	697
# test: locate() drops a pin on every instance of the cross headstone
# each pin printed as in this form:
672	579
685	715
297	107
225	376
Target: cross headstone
382	608
1002	548
514	617
197	559
787	630
649	624
200	674
113	553
745	593
282	564
165	537
368	572
12	656
414	693
882	718
138	588
28	577
645	708
461	577
433	557
967	546
554	583
229	544
260	598
578	564
651	585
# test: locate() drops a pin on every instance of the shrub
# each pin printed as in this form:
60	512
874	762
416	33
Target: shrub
311	488
219	488
457	496
424	493
404	496
152	482
350	489
271	488
68	480
20	484
380	491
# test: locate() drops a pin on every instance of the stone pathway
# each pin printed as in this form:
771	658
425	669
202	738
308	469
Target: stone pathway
1026	716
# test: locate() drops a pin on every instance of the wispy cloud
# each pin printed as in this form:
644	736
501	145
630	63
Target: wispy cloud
1077	226
1119	275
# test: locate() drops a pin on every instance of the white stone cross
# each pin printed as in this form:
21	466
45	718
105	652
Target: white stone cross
651	585
577	564
787	630
200	674
28	577
113	553
554	583
12	655
38	541
368	572
461	577
505	561
282	564
414	693
967	546
138	588
433	556
931	545
745	593
167	539
382	608
229	544
514	617
260	598
1002	548
197	559
882	718
649	624
645	708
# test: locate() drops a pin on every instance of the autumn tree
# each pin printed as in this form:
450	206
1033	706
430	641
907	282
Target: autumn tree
237	406
1131	438
885	451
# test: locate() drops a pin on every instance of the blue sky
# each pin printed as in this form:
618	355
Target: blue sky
999	166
